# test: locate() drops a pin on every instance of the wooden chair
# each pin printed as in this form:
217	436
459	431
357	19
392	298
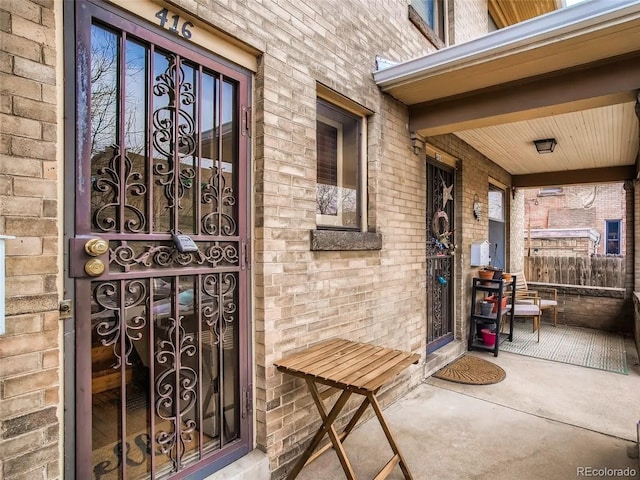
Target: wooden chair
548	302
527	305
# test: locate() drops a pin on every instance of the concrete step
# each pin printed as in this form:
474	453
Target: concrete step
443	356
253	466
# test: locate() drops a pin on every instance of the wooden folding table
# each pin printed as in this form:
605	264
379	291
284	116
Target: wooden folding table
350	367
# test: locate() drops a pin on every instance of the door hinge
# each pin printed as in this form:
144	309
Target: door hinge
248	401
246	120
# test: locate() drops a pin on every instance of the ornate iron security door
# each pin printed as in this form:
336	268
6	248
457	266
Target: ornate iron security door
440	251
159	255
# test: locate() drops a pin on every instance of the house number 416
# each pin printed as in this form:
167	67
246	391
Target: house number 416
174	23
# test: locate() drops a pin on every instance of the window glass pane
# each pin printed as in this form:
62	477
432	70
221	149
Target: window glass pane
104	89
327	139
338	166
496	205
613	237
432	12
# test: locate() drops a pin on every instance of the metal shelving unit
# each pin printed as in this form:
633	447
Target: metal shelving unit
493	321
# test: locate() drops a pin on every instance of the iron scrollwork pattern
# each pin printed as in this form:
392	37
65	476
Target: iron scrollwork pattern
119	170
439	268
109	328
174	143
440	250
131	255
176	390
220	311
219	195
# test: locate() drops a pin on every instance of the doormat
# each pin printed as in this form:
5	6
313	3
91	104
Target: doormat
585	347
471	370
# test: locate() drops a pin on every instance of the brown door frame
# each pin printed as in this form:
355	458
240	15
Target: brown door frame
447	309
77	400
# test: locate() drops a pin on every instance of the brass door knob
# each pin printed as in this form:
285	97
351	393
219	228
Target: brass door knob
94	267
96	247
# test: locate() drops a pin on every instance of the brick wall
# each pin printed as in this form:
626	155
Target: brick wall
518	224
470	20
631	226
590	307
570	218
301	296
633	231
557	246
633	264
578	206
29	352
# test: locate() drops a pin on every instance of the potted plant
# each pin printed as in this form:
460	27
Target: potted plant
485	274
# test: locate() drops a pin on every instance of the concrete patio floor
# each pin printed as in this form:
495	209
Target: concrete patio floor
546	420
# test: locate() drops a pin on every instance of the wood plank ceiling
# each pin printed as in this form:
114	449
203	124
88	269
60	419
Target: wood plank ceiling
602	137
510	12
597	133
593	138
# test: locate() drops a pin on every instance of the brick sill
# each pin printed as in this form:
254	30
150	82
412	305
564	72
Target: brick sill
340	240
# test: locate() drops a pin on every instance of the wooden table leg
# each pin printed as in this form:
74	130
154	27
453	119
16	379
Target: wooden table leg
331	430
355	418
326	427
343	435
398	458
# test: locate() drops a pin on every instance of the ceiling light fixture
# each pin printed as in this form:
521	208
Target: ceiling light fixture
545	146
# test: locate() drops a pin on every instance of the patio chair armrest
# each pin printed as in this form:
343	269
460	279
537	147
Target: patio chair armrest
526	293
527	296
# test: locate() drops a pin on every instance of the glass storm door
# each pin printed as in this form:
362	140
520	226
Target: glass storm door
158	254
440	249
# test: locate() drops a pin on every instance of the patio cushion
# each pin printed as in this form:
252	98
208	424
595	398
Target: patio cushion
525	310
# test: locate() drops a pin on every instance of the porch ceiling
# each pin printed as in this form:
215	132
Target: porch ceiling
572	74
508	12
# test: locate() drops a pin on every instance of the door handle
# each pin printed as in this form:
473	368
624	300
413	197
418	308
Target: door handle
96	247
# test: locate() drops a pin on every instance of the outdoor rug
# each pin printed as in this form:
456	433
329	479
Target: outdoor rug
578	346
471	370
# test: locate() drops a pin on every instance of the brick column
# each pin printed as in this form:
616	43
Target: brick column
29	351
631	226
635	214
634	226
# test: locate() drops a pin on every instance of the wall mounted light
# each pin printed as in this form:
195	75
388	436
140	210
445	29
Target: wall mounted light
477	207
546	145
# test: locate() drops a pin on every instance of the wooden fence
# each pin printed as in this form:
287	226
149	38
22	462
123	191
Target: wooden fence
588	271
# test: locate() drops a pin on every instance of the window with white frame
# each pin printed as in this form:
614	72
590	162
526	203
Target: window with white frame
432	15
339	167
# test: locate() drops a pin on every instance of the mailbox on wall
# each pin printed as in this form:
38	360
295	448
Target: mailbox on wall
480	254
